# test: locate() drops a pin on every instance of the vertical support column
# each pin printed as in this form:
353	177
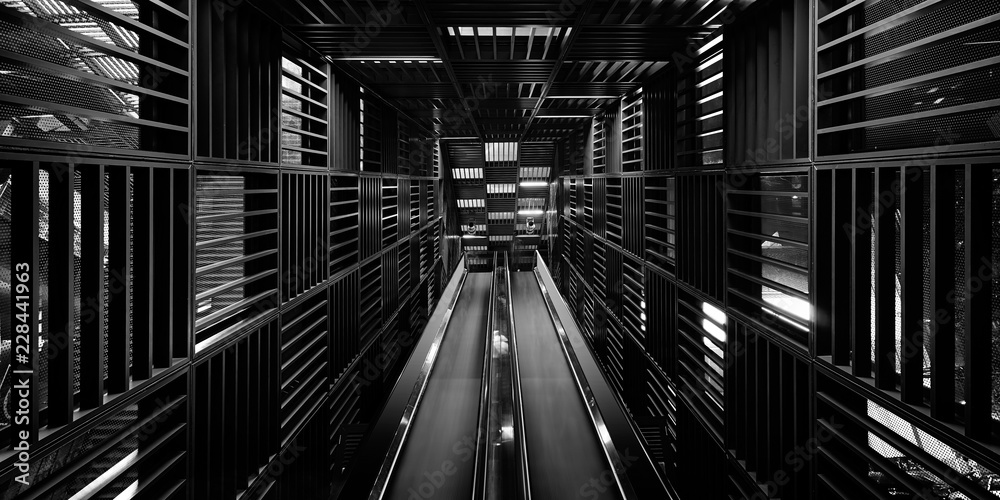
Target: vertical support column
978	293
884	216
24	296
61	300
181	289
861	275
942	258
841	274
92	288
911	284
142	277
162	259
119	279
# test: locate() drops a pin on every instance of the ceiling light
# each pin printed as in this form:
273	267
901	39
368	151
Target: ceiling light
530	212
708	46
389	58
563	116
713	312
709	62
531	184
581	97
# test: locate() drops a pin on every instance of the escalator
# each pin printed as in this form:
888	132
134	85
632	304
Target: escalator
438	457
564	453
505	401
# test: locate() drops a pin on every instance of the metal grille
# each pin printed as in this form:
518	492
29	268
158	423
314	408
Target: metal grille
632	142
614	210
699	114
961	336
914	75
75	77
304	366
600	144
769	253
6	345
660	198
995	299
236	250
303	112
343	227
701	344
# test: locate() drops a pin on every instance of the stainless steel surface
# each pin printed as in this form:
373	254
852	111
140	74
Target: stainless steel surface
480	478
622	480
517	400
385	472
560	303
506	467
565	453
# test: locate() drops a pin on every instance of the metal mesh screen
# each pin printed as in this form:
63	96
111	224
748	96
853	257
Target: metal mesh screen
925	281
960	334
84	94
995	299
5	313
207	230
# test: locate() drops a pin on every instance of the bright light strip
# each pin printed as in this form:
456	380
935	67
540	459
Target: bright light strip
708	46
713	312
533	184
471	236
581	97
709	62
107	477
708	80
703	100
530	212
457	138
713	330
792	305
129	492
563	116
706	134
714	348
396	58
710	115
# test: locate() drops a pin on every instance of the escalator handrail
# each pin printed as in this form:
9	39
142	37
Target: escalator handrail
518	402
479	479
419	387
596	418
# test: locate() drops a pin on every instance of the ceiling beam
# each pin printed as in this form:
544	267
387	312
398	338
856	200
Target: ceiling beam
432	28
564	51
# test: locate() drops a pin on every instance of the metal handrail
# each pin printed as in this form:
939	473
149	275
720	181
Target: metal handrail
419	387
596	418
480	477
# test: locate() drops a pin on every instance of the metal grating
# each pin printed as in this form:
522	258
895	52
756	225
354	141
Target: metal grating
236	254
303	112
919	70
92	75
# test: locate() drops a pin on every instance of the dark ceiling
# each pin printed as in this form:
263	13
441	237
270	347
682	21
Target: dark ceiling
498	82
503	71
